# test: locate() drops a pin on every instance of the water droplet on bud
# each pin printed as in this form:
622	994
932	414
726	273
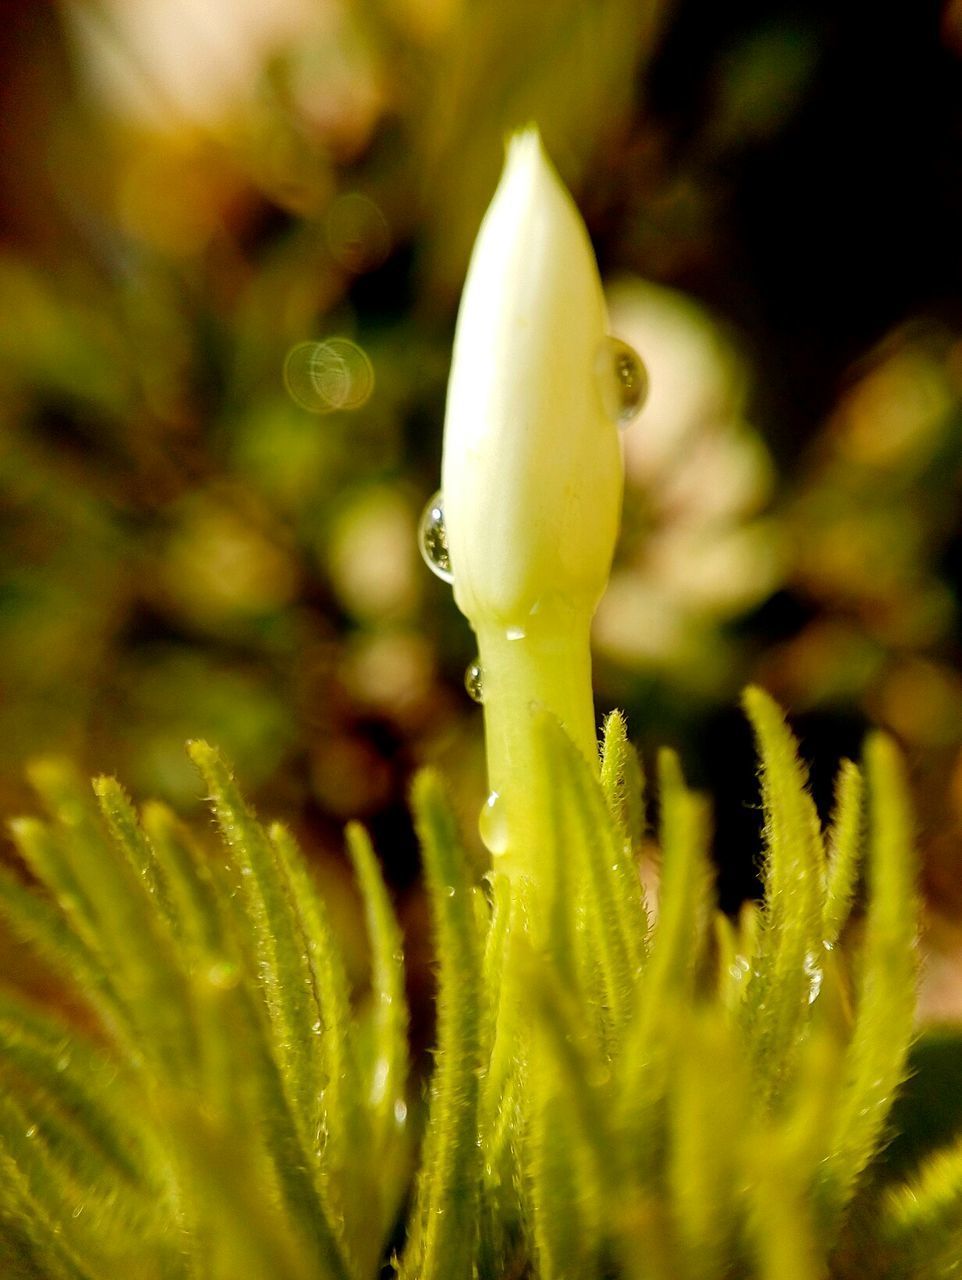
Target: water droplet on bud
623	379
433	539
492	825
473	682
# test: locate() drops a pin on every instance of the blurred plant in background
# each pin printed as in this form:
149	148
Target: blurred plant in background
238	191
235	235
697	552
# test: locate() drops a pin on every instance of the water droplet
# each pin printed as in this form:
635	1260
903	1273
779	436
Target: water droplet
813	972
515	633
473	682
433	539
492	824
379	1081
223	975
400	1112
31	1132
325	376
78	1211
623	380
739	968
449	890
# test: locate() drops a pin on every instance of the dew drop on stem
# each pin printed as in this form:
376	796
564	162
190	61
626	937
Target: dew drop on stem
474	681
492	825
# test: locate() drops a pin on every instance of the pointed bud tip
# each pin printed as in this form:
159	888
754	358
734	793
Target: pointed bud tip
524	147
529	177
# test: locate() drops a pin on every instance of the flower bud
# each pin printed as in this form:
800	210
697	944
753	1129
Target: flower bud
532	468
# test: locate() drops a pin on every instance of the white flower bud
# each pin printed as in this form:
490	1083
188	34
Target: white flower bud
532	468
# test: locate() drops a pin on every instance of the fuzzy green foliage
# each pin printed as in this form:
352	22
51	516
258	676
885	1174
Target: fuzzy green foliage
619	1089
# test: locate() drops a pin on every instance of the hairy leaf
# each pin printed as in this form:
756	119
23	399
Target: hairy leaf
788	962
845	849
875	1060
443	1239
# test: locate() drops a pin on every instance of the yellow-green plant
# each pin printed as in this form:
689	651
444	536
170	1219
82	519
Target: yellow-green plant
617	1091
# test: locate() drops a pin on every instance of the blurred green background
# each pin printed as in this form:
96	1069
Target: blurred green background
196	539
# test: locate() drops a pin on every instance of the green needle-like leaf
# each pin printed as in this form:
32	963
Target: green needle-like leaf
781	1234
54	864
65	1076
390	1060
247	1235
623	781
789	959
65	1179
247	1093
504	1042
561	1234
923	1220
118	917
706	1113
573	1159
197	916
668	984
606	889
126	830
39	923
32	1242
875	1061
334	1084
504	916
684	892
844	848
325	967
275	935
443	1239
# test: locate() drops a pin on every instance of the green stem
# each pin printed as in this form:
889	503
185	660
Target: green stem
545	666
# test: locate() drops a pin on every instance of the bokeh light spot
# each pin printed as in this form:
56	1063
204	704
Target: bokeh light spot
324	377
358	235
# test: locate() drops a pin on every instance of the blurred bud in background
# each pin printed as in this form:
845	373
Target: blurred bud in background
697	548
